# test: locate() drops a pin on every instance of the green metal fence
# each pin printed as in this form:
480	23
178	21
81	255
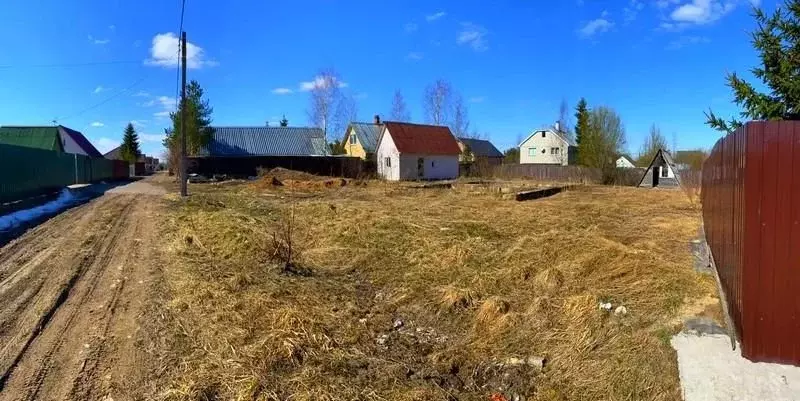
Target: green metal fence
26	172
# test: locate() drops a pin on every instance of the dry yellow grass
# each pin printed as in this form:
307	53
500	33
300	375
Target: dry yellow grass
418	294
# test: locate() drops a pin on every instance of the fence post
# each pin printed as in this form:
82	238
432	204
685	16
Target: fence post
75	157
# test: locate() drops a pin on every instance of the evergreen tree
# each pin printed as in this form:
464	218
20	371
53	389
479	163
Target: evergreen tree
198	121
129	150
284	121
581	126
778	43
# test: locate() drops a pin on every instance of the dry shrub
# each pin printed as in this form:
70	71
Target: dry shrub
456	298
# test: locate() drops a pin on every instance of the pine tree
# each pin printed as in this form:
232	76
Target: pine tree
778	44
581	125
198	121
284	121
129	150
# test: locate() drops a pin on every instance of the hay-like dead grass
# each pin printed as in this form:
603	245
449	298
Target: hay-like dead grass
417	294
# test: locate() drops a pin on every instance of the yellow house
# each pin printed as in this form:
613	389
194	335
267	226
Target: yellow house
361	138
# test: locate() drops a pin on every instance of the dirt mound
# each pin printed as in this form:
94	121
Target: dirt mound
281	177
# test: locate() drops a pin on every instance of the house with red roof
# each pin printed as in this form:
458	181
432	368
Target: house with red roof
408	151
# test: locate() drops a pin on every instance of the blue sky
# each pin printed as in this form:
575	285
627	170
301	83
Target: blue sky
654	61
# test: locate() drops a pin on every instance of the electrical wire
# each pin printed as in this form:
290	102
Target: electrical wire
67	65
110	98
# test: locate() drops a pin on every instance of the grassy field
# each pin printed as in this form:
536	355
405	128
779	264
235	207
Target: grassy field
398	293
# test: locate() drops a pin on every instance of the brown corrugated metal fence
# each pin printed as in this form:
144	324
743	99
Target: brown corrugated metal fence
751	213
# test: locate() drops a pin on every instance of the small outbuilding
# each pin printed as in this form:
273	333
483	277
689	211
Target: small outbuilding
661	173
360	139
625	161
408	151
479	151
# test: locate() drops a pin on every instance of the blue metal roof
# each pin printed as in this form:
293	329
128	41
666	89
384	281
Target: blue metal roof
481	148
266	141
367	134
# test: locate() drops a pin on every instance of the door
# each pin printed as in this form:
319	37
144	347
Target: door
656	174
421	168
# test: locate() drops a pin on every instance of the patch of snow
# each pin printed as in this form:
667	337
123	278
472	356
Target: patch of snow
13	220
710	370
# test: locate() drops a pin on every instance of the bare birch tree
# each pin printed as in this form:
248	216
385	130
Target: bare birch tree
399	109
325	96
438	102
460	123
346	112
563	119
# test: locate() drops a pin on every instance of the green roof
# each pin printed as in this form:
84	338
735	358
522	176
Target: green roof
46	138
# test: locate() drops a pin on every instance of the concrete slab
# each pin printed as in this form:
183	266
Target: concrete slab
711	370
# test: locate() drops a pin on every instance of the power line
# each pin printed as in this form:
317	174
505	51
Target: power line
110	98
67	65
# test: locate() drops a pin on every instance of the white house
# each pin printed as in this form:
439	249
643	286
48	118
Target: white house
544	146
625	162
416	152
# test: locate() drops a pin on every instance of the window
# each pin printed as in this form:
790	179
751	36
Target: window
665	172
433	163
352	139
531	152
555	151
388	161
544	134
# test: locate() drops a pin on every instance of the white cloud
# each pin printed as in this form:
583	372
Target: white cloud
164	53
360	96
166	103
98	41
702	11
410	27
97	124
414	56
281	91
105	145
594	27
631	11
138	123
474	36
435	16
100	89
141	94
159	138
477	99
112	27
319	82
684	41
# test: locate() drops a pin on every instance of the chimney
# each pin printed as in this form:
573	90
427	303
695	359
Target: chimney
377	119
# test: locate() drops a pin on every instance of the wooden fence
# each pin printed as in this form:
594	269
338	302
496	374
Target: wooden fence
751	210
571	174
336	166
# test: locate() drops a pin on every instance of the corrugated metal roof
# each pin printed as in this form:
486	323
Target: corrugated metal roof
367	134
422	139
46	138
481	147
266	141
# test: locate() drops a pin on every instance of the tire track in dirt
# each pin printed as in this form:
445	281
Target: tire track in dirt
37	283
89	272
64	291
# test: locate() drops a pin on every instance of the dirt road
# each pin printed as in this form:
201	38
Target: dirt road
71	290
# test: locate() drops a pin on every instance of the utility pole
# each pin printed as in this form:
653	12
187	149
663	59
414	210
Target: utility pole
184	176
